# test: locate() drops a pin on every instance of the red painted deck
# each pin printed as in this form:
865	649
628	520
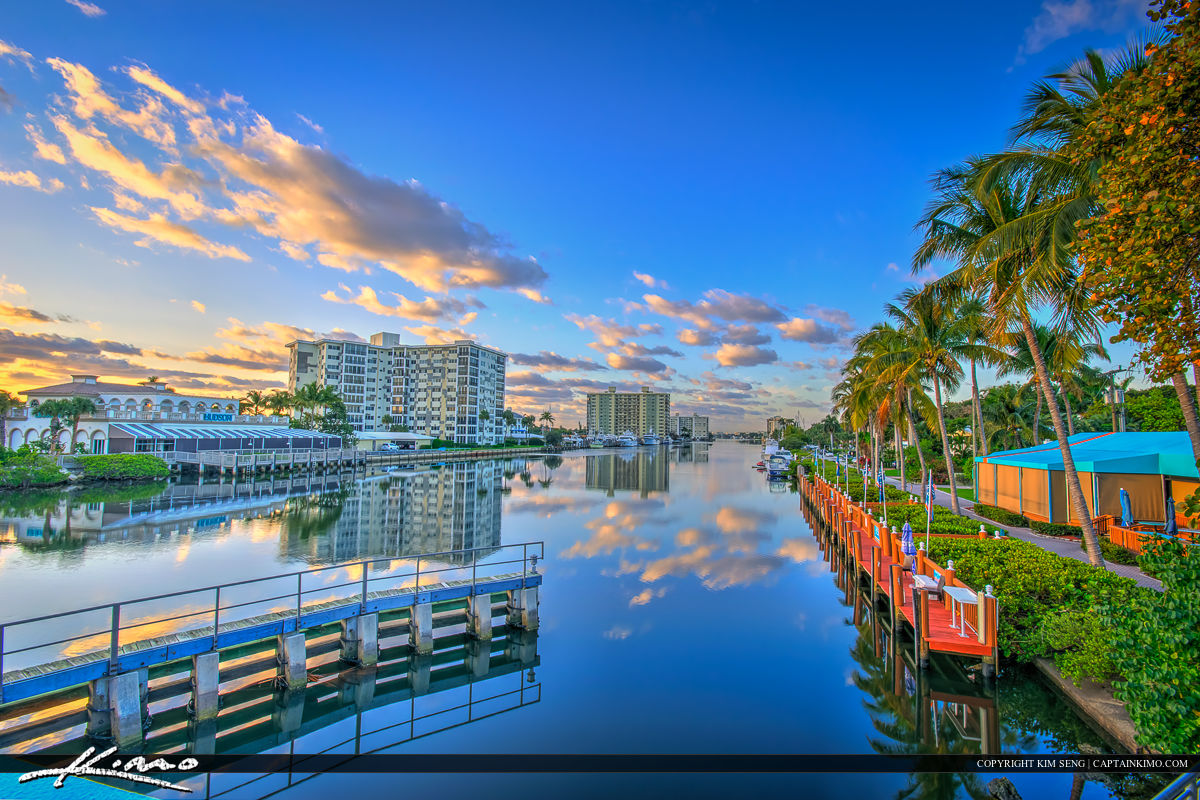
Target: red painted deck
940	636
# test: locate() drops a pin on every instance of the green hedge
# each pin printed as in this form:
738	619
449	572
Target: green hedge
21	470
123	466
1114	552
1055	529
1001	515
1049	605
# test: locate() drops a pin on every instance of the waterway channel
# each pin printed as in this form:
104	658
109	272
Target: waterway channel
687	607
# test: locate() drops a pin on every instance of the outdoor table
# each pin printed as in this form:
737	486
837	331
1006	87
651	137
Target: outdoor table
960	596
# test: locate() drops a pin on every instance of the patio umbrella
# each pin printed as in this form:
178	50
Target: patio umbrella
906	541
1126	510
1172	525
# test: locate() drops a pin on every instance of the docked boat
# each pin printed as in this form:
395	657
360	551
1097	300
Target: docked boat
777	465
626	439
651	440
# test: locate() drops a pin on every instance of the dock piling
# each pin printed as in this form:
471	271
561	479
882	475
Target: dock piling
523	608
479	616
206	684
360	639
420	628
292	658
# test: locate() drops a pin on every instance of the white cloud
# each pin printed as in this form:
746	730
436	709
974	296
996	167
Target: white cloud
89	9
30	180
1059	19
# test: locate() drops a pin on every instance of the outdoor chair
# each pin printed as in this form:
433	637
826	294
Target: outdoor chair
906	563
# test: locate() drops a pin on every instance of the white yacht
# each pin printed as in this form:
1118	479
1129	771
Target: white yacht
626	439
651	439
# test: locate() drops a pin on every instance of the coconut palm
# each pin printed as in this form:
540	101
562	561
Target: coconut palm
70	410
933	339
278	402
509	418
547	419
253	401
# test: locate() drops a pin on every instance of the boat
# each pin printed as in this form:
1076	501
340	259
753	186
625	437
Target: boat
651	440
777	465
770	448
626	439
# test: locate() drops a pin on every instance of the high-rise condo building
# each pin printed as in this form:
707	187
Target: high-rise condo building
692	425
448	391
640	413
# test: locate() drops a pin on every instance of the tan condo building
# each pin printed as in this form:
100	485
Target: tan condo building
641	413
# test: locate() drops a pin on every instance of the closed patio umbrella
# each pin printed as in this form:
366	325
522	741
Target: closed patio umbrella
906	541
1126	510
1172	526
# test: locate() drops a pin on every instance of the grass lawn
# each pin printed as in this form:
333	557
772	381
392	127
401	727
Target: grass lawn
891	473
966	494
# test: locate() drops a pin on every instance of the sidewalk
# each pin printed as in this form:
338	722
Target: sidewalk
1058	545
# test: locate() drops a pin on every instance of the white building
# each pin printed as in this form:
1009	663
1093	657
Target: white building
148	401
692	425
452	391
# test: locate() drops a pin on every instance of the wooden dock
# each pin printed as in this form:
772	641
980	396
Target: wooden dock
871	548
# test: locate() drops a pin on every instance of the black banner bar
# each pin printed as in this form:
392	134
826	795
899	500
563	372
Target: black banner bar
178	765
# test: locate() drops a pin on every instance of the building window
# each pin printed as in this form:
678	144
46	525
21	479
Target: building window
97	446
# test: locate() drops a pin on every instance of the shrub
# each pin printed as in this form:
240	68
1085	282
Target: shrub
1114	552
1001	515
1031	585
1156	647
1054	529
25	468
123	466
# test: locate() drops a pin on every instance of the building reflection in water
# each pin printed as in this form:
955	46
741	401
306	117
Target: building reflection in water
454	507
642	471
149	511
322	519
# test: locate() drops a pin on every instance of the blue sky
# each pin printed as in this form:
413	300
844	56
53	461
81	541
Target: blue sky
705	197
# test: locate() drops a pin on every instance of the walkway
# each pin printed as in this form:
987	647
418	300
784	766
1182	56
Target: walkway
1059	545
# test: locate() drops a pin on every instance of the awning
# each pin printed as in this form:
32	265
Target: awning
1150	453
148	430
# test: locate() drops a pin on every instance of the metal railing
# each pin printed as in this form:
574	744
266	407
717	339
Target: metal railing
148	415
1185	787
108	640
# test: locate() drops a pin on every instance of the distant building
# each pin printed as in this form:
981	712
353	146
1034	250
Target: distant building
693	425
613	413
776	426
437	390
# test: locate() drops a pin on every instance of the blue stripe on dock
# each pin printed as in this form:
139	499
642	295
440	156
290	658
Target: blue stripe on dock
138	659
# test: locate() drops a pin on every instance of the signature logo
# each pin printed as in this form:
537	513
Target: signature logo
130	770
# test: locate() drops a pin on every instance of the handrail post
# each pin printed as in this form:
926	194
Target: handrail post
114	643
417	577
216	617
524	563
299	587
1	663
363	604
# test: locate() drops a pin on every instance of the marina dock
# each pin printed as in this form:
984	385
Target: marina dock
102	666
875	552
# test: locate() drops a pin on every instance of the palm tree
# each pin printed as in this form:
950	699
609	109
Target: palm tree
278	402
934	339
547	419
8	402
1006	410
510	419
253	401
70	409
1009	241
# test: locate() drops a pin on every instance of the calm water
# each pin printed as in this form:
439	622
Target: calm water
687	608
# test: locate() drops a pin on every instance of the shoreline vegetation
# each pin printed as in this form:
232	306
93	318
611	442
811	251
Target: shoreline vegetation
1098	630
1086	219
25	469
